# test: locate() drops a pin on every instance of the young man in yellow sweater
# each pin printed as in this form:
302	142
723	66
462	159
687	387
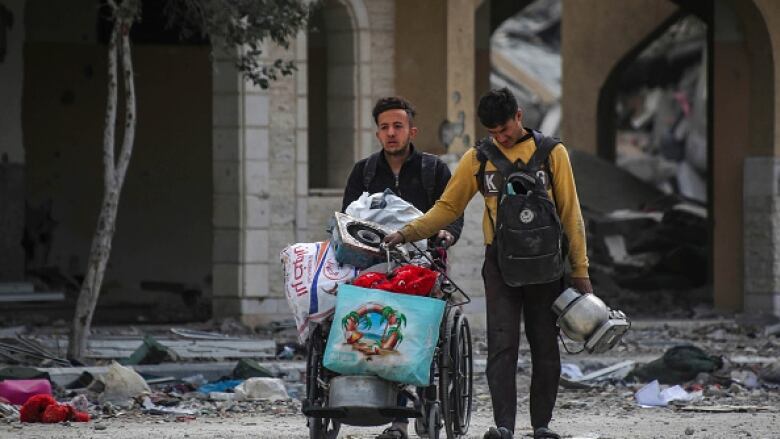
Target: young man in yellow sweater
499	113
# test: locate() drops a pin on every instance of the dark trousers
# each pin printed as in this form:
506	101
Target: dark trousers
504	307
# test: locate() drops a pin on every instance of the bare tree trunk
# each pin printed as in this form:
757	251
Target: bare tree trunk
113	178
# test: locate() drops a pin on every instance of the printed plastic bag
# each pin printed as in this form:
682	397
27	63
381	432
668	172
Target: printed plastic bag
387	209
379	333
311	277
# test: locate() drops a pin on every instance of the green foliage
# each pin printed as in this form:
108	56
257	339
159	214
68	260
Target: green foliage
230	24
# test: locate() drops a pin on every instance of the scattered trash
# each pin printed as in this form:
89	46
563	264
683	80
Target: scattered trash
19	391
573	378
651	395
195	380
122	384
153	409
221	396
287	353
45	409
80	403
745	378
219	386
271	389
8	411
678	365
571	371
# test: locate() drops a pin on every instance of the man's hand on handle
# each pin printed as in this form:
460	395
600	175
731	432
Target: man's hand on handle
445	238
582	284
394	238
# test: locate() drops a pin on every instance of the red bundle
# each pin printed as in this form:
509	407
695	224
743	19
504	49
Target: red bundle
44	408
369	280
409	279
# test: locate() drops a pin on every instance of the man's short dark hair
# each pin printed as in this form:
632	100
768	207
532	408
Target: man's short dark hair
393	103
496	107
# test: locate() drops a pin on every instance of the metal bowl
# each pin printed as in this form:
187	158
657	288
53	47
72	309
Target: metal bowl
579	315
362	398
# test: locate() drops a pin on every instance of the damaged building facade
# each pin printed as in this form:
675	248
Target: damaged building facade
225	175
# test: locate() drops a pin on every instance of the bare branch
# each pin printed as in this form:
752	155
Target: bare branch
130	110
109	131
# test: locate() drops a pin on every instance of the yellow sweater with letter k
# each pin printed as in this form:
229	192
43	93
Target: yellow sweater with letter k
463	186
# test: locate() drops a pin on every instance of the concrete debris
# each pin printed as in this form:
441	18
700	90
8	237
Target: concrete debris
662	118
122	347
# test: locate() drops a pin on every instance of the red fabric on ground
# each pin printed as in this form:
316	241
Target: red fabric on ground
44	408
33	409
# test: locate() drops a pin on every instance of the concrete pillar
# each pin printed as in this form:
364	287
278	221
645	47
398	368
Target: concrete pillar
731	109
242	208
762	235
438	76
759	21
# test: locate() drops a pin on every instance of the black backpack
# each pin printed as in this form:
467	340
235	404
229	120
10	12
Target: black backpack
427	174
528	233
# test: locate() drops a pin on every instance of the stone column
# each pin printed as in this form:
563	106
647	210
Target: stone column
241	216
762	234
438	76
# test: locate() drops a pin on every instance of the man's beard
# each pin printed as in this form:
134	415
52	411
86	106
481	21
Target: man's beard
403	150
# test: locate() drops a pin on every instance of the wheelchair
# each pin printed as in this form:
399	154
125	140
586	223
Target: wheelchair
443	406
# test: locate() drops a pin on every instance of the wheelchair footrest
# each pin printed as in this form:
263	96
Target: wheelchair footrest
400	412
324	412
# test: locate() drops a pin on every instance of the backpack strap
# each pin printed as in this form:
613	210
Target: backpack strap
544	146
482	158
499	160
428	175
369	170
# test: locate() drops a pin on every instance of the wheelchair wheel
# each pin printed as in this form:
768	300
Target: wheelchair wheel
319	428
447	373
463	376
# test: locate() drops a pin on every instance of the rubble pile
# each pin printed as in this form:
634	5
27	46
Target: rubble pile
648	251
178	374
662	112
706	367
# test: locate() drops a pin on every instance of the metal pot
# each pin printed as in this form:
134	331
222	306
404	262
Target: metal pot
362	398
579	316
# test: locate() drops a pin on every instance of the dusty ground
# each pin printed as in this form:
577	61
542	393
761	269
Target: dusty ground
607	411
592	422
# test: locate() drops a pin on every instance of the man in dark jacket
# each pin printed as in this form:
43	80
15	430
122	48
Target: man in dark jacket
415	176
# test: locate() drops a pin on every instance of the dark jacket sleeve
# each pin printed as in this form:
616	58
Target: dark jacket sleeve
443	173
354	185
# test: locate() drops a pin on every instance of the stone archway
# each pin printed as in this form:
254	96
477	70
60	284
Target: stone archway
338	62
